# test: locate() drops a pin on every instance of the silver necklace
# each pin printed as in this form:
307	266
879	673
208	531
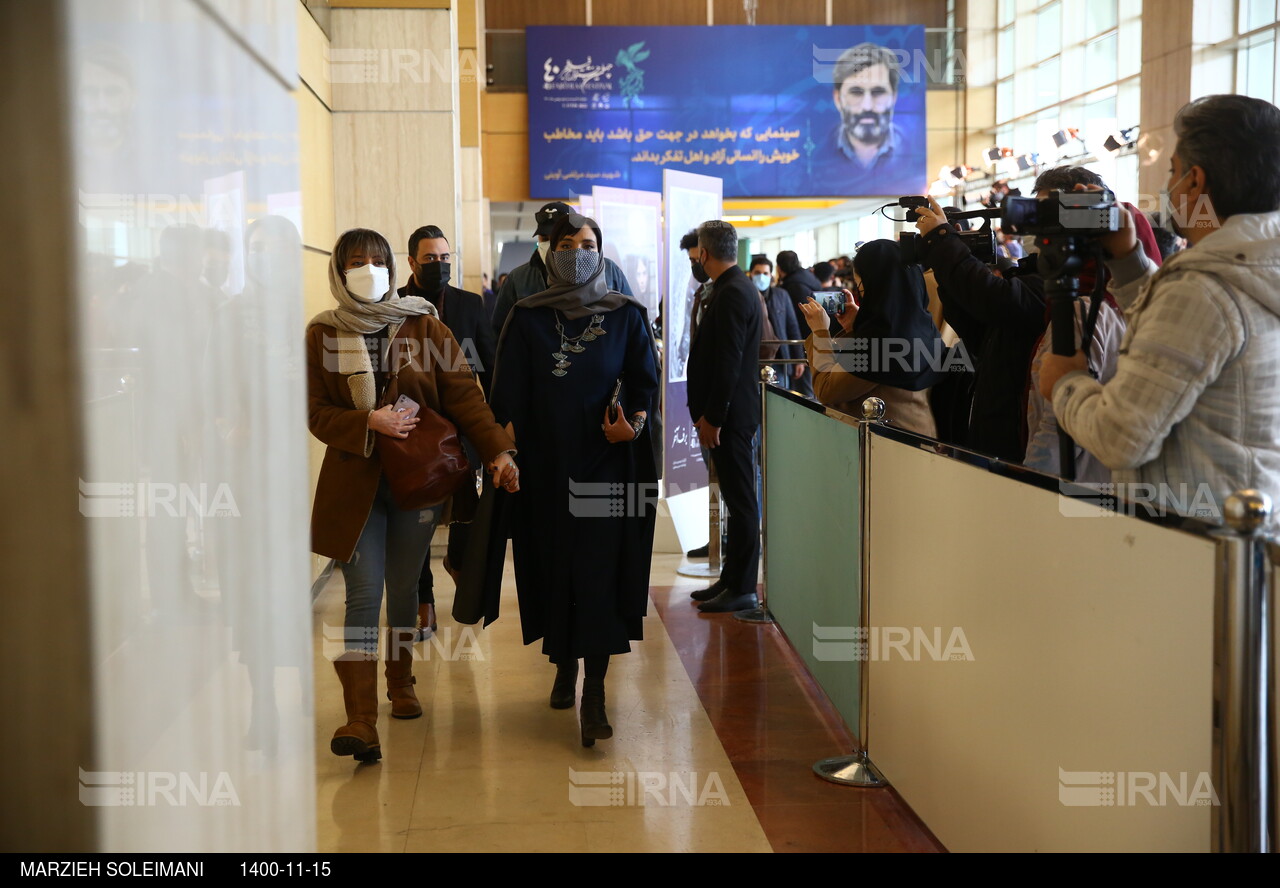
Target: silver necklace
573	344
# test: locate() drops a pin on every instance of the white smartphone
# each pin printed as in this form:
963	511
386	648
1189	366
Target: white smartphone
406	405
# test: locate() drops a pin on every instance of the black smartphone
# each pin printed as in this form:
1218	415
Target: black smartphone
613	401
831	300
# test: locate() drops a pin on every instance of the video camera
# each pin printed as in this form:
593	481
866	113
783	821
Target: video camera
1066	226
981	242
1063	214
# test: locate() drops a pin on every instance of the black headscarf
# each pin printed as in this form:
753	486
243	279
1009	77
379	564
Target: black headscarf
893	314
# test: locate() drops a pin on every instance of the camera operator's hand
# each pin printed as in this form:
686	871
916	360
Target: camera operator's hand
929	220
1057	366
815	316
1120	243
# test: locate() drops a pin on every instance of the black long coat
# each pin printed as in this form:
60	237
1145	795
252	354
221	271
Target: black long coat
582	524
725	353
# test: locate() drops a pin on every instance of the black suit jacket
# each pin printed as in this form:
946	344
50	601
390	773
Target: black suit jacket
724	356
463	313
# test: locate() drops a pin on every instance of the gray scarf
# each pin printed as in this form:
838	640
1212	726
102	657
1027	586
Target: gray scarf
354	316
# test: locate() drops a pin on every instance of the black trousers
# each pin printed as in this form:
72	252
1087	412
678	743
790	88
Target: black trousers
458	535
735	465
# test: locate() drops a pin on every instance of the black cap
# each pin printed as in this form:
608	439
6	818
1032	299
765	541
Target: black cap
547	216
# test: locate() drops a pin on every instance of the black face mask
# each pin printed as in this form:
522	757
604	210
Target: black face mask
433	276
699	273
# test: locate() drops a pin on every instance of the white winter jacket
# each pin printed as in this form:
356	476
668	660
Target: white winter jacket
1193	412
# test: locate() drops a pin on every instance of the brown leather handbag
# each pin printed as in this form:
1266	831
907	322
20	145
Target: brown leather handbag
429	466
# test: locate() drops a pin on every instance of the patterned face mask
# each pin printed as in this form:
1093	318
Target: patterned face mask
574	266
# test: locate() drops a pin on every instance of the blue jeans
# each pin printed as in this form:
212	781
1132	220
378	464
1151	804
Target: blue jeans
392	549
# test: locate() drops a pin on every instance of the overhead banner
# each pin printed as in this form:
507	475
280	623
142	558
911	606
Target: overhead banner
773	111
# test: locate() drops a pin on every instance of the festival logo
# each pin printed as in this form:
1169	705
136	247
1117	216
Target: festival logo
633	83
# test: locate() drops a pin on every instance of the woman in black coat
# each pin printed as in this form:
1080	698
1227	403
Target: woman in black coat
582	526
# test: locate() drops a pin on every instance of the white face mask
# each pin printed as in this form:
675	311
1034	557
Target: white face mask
368	283
761	281
543	249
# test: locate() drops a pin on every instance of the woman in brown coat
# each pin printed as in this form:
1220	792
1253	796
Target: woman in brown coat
351	353
889	347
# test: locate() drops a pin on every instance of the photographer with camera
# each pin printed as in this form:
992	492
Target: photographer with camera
1194	407
999	317
887	340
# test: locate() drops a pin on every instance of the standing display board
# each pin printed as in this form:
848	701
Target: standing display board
631	225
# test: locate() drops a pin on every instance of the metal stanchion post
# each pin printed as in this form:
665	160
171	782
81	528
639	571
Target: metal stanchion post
1244	731
760	614
856	769
710	570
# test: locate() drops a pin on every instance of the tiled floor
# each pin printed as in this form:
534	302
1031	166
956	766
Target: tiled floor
716	730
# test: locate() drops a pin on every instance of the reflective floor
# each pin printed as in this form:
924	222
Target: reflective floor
716	728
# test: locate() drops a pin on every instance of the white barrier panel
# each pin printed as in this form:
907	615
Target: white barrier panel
1053	691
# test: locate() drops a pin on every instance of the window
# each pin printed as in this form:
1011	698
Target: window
1070	64
1240	55
1049	31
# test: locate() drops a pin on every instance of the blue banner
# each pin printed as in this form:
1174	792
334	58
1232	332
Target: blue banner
774	111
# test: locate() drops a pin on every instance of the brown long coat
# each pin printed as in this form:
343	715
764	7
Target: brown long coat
351	469
837	387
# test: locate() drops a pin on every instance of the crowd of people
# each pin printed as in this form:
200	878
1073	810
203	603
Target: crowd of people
1172	385
1172	394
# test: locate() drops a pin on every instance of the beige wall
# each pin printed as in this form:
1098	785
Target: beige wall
1166	86
314	98
395	126
477	257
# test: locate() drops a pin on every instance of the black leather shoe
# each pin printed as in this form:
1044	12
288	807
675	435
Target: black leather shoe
729	602
701	552
707	594
564	693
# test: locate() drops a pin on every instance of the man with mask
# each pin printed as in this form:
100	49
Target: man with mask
801	285
1193	410
531	277
867	152
782	317
724	403
430	258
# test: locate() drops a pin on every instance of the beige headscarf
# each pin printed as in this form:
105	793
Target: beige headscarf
352	320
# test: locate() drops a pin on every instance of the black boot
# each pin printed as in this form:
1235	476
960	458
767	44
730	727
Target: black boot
595	721
564	692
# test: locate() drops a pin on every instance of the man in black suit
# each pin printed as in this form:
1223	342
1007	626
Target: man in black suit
464	314
724	402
